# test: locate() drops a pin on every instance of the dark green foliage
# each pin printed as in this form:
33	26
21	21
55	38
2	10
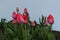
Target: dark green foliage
10	31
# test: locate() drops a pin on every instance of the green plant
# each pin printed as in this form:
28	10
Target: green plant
22	31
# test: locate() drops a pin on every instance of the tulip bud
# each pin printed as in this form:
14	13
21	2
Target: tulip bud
14	15
33	23
26	12
50	19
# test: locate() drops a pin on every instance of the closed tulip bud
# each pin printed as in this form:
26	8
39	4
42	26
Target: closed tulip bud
33	23
50	19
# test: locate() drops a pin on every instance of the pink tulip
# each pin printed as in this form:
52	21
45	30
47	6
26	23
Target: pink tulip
14	15
26	12
33	23
26	16
50	19
25	19
19	18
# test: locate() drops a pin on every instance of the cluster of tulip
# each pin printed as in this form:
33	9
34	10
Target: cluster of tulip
19	18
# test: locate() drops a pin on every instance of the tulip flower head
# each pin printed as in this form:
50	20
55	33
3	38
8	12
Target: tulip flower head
19	18
33	23
14	15
26	12
50	19
26	15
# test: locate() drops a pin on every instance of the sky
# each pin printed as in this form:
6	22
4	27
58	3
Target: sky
35	8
